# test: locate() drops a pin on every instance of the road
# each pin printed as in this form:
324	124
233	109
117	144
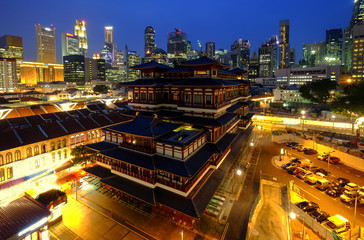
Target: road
265	150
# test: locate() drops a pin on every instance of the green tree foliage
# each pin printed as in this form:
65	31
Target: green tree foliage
351	102
100	88
318	91
82	155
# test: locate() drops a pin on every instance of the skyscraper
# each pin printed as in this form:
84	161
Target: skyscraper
358	12
334	44
107	53
80	31
240	54
133	59
358	53
284	52
70	44
253	67
8	74
46	44
149	42
347	48
12	47
177	43
292	57
268	57
210	50
313	53
109	34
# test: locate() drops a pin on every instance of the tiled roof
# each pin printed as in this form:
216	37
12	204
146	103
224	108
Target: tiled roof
202	82
166	139
51	109
132	157
225	141
145	126
151	64
179	70
200	61
20	214
226	72
130	187
236	106
102	146
99	171
204	121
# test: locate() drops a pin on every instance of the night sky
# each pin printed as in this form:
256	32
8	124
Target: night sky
207	20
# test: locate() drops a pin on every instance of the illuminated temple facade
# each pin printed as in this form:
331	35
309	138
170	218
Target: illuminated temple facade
169	155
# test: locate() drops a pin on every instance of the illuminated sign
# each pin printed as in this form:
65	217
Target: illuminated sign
34	226
48	29
109	28
69	34
83	22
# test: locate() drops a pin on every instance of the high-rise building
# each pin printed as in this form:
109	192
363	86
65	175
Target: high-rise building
313	53
107	53
253	67
46	44
358	12
357	72
149	42
80	70
347	48
334	44
210	50
133	59
109	34
292	57
70	44
159	56
12	47
80	31
284	52
8	74
240	54
33	73
177	44
268	57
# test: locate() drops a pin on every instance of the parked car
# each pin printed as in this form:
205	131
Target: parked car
300	148
296	146
341	181
332	159
307	206
312	179
323	184
296	160
305	162
323	171
351	187
287	165
348	196
304	174
337	223
311	168
335	191
295	170
361	192
319	215
291	144
323	156
310	151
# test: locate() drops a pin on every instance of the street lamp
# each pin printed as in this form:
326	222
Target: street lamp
303	119
293	216
235	179
333	122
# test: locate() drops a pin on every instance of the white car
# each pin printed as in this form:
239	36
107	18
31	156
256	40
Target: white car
312	179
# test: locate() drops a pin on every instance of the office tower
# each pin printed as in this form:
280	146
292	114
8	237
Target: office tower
33	73
80	70
80	32
292	57
357	72
334	43
313	53
284	51
177	43
210	50
159	56
133	59
149	42
12	47
268	57
8	75
107	53
240	54
109	34
253	67
46	44
70	44
358	12
347	48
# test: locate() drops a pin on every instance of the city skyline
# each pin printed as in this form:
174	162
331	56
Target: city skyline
325	15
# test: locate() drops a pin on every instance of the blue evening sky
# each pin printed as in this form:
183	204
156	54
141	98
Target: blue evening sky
204	20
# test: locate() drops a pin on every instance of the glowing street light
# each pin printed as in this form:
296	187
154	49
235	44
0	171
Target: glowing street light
238	172
251	144
292	215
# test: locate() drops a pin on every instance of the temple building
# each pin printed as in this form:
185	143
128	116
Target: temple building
171	157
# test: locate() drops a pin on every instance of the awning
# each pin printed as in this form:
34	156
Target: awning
63	166
11	183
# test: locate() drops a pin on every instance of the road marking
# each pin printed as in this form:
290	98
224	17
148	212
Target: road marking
335	199
362	215
225	231
347	206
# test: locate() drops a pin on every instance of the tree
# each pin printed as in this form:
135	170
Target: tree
318	91
351	102
81	155
100	88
